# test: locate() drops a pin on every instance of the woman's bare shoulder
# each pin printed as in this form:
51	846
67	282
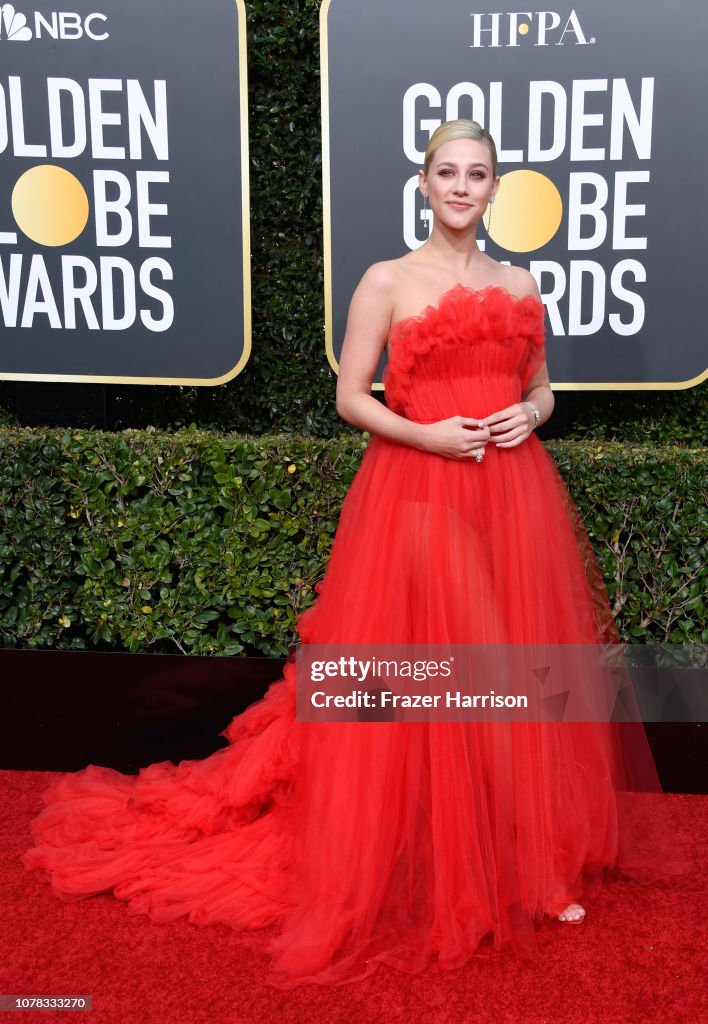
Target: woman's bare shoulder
385	276
521	282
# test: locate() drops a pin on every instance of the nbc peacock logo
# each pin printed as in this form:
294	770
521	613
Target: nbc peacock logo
13	25
16	27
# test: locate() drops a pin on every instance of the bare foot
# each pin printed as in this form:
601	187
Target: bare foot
573	914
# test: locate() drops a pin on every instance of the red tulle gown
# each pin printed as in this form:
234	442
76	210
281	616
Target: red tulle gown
398	842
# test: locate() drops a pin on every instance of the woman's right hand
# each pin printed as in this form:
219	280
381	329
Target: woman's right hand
456	438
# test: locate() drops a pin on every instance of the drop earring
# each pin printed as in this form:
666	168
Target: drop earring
425	211
489	220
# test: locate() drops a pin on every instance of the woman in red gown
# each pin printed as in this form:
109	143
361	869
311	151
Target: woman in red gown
395	842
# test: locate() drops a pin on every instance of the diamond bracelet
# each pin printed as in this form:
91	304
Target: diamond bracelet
536	413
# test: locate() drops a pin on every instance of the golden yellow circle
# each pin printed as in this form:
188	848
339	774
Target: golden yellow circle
523	29
526	213
50	205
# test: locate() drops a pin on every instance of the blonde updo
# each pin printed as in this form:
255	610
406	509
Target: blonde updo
463	128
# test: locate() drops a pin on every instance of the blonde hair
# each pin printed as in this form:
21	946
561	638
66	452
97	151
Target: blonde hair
460	129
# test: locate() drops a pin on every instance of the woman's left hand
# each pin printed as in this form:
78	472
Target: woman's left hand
510	426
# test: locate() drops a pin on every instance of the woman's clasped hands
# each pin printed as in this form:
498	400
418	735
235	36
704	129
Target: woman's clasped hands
458	437
462	437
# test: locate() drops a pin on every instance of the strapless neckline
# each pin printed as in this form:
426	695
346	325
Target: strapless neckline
464	291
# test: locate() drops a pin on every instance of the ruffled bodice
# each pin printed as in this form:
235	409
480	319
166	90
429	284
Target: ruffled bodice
471	355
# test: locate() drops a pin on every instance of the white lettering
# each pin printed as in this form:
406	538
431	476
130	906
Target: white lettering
89	30
592	209
493	30
475	94
70	26
495	125
39	297
74	292
55	88
111	322
411	236
623	209
513	17
100	118
625	113
4	137
41	25
551	298
21	148
146	209
635	268
156	263
10	290
537	91
103	206
547	21
140	116
572	25
579	119
578	270
410	118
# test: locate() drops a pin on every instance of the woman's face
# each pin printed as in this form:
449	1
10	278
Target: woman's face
459	182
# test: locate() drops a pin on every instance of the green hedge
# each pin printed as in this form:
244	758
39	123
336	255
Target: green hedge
213	544
641	417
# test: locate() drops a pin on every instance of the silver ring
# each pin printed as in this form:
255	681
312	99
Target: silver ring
480	425
479	454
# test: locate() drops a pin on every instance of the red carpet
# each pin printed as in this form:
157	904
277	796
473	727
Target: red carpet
639	957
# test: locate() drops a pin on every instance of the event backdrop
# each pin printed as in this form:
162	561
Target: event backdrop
598	114
124	245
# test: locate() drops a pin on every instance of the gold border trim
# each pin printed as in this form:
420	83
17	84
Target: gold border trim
246	235
678	385
326	186
327	254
